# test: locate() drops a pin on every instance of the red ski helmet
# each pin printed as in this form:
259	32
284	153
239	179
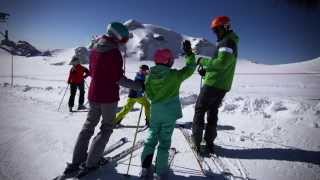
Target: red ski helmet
220	21
164	56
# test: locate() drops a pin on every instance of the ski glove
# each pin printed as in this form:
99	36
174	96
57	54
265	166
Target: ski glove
186	46
201	70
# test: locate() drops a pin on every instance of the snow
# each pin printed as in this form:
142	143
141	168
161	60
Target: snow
268	123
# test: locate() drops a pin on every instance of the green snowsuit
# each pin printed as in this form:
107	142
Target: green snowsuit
162	88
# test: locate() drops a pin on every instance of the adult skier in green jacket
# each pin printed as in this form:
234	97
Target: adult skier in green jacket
218	75
162	88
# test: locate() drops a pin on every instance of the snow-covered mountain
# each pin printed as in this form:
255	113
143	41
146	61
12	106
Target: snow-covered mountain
147	38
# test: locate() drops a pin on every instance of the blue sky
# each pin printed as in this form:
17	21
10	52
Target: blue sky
270	33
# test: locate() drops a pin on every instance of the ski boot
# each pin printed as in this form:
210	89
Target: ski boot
210	148
163	176
196	146
71	169
86	170
118	124
82	107
146	173
147	122
147	168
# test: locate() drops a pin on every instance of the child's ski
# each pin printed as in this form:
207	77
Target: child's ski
116	157
124	153
116	145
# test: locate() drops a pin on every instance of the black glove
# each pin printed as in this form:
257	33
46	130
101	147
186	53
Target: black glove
186	46
201	71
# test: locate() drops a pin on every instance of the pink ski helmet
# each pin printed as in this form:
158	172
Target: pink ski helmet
164	57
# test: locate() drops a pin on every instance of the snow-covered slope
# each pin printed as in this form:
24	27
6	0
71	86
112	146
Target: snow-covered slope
268	123
311	66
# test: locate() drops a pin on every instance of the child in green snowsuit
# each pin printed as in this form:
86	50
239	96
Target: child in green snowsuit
162	88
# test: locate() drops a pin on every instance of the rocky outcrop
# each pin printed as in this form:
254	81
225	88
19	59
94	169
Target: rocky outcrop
22	48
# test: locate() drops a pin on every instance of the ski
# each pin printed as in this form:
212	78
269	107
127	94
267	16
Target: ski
140	128
143	128
117	157
120	126
108	150
199	159
222	168
116	145
124	153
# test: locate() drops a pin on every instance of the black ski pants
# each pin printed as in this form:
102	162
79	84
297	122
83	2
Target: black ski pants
73	90
208	101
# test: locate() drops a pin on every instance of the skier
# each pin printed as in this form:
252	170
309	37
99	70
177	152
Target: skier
136	96
218	74
77	75
162	88
106	76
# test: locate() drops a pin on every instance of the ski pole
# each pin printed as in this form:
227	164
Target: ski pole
61	91
63	97
134	140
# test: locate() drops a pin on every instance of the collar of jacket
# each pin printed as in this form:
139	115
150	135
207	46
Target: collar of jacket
105	44
229	35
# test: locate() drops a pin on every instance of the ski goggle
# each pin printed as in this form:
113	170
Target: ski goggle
216	30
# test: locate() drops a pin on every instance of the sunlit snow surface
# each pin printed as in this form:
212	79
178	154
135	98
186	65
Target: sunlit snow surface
268	123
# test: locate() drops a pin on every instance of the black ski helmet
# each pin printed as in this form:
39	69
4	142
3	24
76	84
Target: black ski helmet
119	31
144	67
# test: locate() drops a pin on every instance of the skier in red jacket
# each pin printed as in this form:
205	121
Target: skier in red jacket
106	75
76	80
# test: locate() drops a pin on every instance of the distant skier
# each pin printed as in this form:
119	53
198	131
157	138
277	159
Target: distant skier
218	74
162	88
136	96
106	76
77	75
